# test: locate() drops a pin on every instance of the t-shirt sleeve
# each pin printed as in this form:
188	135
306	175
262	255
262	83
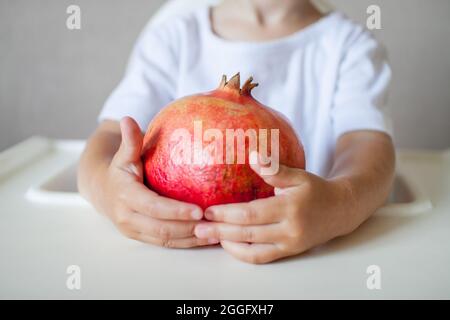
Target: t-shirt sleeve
363	80
149	82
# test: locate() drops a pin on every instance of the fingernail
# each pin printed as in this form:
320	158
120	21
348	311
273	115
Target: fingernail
213	241
209	214
196	214
202	231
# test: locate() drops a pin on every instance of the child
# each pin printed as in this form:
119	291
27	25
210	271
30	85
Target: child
326	74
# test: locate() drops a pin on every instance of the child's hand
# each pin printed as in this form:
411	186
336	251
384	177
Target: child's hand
305	211
138	212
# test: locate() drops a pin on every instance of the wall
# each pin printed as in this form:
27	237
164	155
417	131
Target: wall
417	35
54	81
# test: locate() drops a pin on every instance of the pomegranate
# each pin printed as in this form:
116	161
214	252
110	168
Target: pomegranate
197	148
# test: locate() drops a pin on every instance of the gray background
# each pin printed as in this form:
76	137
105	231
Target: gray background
53	81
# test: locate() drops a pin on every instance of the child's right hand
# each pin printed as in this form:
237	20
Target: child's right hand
138	212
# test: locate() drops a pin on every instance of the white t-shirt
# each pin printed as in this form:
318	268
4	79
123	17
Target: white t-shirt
327	79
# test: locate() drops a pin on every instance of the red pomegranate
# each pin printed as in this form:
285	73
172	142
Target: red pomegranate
197	148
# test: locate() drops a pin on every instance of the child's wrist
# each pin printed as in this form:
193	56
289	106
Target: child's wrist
96	183
346	206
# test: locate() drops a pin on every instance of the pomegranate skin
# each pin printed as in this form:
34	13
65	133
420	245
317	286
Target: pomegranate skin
206	184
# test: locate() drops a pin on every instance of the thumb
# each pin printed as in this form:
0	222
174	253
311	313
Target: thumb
284	177
131	145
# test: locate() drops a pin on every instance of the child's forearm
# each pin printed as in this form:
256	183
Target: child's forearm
97	156
364	163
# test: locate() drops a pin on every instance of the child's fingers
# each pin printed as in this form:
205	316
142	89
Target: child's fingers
256	253
224	231
260	211
179	243
131	144
147	202
284	177
161	229
176	243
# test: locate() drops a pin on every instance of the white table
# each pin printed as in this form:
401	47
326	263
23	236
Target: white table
40	237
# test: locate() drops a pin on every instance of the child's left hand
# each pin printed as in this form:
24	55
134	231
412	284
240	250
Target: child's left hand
306	211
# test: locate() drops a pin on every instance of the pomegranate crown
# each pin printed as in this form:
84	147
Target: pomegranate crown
234	84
